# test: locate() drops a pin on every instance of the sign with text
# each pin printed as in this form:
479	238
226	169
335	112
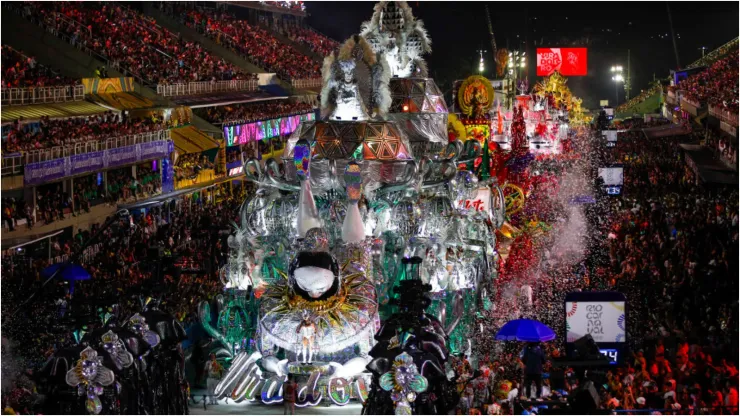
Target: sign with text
566	61
51	170
603	315
480	203
603	320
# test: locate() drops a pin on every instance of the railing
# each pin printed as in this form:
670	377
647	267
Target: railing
38	95
205	87
234	122
12	165
86	257
692	102
724	115
715	54
57	152
306	83
268	7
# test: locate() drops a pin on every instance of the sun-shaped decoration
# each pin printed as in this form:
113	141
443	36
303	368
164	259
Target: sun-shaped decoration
404	381
340	318
475	96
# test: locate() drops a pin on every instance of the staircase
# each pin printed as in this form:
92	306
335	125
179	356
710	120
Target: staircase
48	49
298	46
173	25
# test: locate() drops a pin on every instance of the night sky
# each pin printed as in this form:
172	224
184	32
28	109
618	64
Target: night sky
459	29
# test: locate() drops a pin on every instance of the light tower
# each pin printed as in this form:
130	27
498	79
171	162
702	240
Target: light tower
617	77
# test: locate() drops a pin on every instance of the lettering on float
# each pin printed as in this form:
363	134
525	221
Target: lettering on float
480	203
252	386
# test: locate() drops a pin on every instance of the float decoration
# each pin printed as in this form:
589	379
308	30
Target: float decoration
89	376
405	382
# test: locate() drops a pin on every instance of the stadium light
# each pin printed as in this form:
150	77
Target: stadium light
481	65
617	78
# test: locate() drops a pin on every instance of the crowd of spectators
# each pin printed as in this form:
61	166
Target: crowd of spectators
122	186
638	123
315	41
122	271
132	41
53	204
670	246
672	250
247	113
724	148
253	42
190	165
21	71
47	132
717	85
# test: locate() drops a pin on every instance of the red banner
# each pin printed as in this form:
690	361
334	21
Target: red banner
567	61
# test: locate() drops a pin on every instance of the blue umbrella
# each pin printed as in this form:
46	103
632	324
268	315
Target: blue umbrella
70	273
526	330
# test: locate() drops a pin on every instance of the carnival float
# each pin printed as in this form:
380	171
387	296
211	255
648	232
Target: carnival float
386	207
366	199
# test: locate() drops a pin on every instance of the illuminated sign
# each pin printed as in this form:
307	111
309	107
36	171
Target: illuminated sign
566	61
604	321
236	171
612	176
612	354
603	316
245	381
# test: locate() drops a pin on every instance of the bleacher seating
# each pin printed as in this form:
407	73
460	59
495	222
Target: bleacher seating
245	113
252	42
132	42
716	85
49	133
315	41
22	71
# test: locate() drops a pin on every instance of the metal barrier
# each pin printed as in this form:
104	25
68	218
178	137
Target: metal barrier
87	255
38	95
12	165
724	115
306	83
206	87
57	152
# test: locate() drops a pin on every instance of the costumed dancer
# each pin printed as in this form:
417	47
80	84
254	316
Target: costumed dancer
214	370
307	330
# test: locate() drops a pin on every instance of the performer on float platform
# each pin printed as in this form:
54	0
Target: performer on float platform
307	329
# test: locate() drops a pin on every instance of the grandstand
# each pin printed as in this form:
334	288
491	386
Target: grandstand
97	116
651	100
